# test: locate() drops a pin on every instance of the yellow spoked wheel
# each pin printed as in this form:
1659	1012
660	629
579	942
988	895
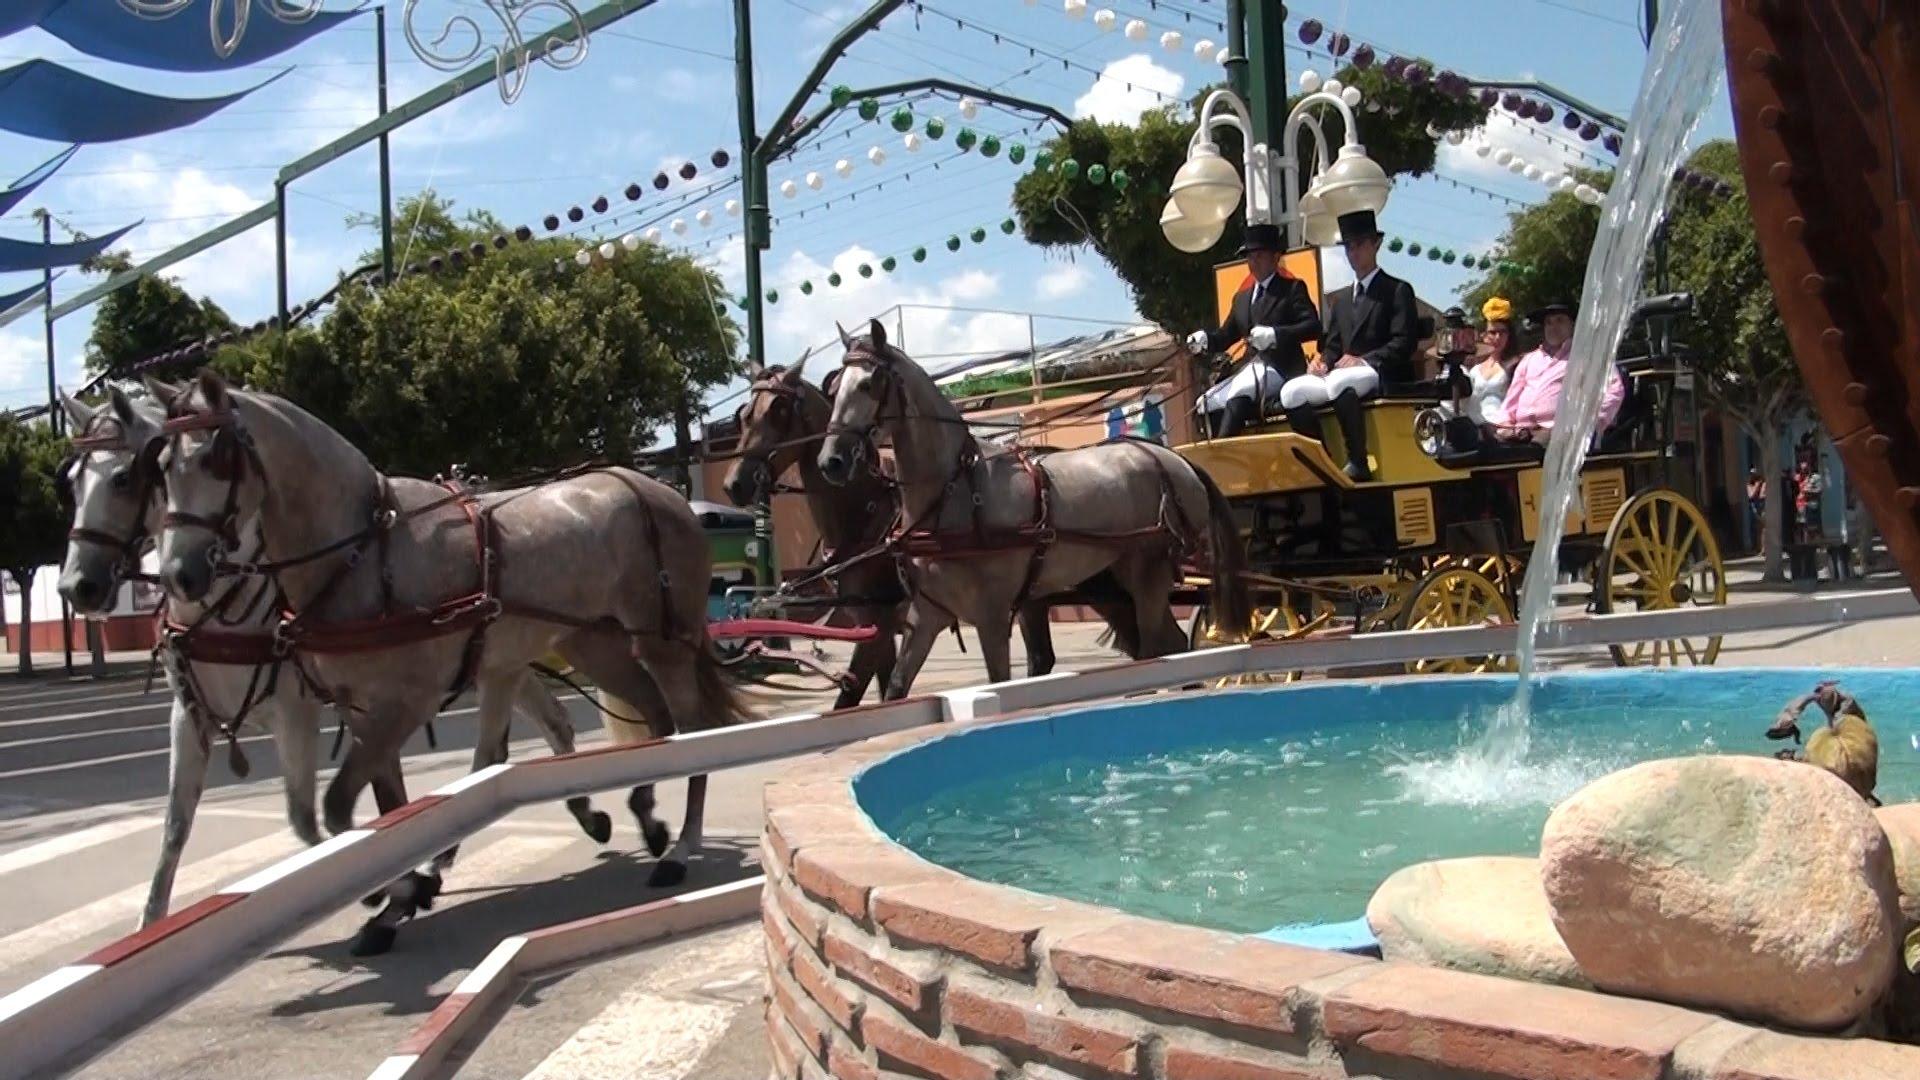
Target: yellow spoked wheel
1661	555
1280	622
1457	596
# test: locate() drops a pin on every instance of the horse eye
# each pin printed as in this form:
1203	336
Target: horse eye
120	479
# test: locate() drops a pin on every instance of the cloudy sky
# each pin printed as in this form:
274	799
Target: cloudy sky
656	89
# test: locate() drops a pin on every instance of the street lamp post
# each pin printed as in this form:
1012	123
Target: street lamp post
1208	189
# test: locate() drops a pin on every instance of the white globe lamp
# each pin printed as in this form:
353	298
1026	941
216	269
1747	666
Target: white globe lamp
1186	234
1207	188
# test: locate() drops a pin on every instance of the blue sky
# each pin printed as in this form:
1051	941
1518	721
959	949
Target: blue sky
656	89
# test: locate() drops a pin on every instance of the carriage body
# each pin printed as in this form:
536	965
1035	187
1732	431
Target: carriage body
1441	539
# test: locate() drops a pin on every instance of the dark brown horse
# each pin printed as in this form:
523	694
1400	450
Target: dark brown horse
781	426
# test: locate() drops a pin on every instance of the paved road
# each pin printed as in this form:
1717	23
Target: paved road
82	780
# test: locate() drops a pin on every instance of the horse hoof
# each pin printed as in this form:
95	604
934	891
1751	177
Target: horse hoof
374	939
373	900
600	827
426	888
667	874
657	836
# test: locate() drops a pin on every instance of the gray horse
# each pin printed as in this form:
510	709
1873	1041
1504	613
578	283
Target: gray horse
985	529
114	484
782	419
607	567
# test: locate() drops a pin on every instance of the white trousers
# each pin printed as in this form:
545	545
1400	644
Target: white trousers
1321	389
1253	381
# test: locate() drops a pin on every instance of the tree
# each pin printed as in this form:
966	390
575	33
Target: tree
36	532
1169	287
1542	257
150	316
424	225
519	360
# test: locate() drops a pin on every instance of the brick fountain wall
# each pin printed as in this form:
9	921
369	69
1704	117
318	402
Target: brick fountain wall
881	964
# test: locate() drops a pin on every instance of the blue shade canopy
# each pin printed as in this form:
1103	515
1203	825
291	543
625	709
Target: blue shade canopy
17	15
9	301
24	186
180	42
33	255
46	101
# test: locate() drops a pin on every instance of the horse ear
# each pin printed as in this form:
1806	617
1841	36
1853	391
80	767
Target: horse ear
122	406
877	334
755	368
79	413
163	392
213	390
793	373
846	340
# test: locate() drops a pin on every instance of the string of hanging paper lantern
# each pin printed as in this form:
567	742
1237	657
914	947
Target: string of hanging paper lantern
1553	179
1136	28
1001	37
1446	256
915	135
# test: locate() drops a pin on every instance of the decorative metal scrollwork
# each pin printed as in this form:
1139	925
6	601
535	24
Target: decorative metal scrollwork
235	12
509	57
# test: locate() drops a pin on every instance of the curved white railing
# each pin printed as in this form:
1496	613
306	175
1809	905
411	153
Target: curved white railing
78	1011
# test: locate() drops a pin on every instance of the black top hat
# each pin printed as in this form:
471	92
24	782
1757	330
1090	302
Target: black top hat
1558	307
1262	237
1358	225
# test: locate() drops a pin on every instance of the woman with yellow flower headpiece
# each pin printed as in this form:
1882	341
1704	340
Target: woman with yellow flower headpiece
1493	365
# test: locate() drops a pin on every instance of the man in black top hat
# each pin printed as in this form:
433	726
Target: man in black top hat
1276	317
1369	337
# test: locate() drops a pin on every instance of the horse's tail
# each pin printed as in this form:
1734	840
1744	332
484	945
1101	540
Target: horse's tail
720	696
1228	594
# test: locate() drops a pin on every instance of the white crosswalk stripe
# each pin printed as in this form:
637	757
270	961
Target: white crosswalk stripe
68	843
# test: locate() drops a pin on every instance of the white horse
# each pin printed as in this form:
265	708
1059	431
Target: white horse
217	686
402	590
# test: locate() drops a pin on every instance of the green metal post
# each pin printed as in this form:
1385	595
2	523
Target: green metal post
386	164
55	415
1237	47
1266	92
280	247
753	173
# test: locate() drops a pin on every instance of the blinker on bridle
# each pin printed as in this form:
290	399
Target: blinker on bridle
106	434
227	462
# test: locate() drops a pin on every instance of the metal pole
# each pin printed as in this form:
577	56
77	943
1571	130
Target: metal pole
1266	94
280	246
55	415
753	183
1033	360
1237	47
386	164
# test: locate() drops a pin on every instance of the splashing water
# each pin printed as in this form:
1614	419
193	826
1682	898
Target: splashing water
1681	73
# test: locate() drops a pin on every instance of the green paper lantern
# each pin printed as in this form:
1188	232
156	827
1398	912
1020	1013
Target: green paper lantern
1069	168
990	146
978	235
740	302
1433	254
840	95
1008	226
834	280
869	108
953	243
1096	174
888	264
773	296
1486	262
865	270
1413	248
936	127
919	254
1017	153
1119	179
1043	160
806	288
1395	244
965	139
903	119
1447	257
720	310
1509	268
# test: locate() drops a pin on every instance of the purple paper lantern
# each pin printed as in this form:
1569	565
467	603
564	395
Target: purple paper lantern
1544	113
1570	121
1612	142
1416	74
720	159
1395	66
1310	31
1511	102
1589	131
600	205
688	172
660	181
1363	57
1338	44
1489	97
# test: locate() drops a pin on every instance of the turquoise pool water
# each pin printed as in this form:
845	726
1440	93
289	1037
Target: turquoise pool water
1247	810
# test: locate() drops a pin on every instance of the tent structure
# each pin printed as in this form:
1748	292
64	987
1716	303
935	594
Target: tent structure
110	32
24	186
46	101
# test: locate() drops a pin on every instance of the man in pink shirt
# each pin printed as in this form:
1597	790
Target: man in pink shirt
1533	397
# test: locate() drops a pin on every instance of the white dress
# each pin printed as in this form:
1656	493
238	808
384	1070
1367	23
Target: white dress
1483	403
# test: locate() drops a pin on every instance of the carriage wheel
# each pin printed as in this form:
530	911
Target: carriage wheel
1457	596
1660	554
1276	622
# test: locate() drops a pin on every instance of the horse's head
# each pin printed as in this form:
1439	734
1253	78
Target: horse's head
213	481
782	415
113	484
861	389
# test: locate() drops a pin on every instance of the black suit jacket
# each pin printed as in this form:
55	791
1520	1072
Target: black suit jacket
1381	326
1287	308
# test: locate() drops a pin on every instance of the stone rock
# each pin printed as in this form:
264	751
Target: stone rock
1484	915
1902	824
1757	887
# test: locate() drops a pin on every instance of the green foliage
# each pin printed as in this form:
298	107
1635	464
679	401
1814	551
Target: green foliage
425	225
1122	223
1542	257
153	315
36	523
519	361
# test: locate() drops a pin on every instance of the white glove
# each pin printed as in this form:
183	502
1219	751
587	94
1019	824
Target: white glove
1197	342
1262	338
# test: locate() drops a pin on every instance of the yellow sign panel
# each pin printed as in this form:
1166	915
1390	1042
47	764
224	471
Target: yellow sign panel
1413	517
1601	493
1229	279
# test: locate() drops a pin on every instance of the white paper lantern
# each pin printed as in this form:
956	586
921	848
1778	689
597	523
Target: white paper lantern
1532	172
705	218
1502	157
1567	183
1223	55
631	241
912	142
1136	30
789	188
815	180
1455	138
876	156
679	226
969	108
1482	149
607	250
843	168
733	207
1332	86
1432	132
1309	81
1104	18
1351	95
1518	165
1585	193
1203	49
1172	41
1075	8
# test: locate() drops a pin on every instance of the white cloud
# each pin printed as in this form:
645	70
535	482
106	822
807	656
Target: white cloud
681	86
23	365
1069	279
1127	89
